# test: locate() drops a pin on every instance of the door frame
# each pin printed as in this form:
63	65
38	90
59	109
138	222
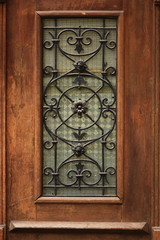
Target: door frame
2	119
120	123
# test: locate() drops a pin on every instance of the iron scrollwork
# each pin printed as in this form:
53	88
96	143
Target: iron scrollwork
82	113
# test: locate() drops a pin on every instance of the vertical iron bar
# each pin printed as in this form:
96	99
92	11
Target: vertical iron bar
103	53
55	65
116	105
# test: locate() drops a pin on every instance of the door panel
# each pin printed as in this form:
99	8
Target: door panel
24	125
138	148
83	5
78	236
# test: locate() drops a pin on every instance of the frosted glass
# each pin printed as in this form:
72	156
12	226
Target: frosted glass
79	106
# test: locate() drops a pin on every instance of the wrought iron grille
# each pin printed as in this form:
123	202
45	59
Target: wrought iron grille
79	106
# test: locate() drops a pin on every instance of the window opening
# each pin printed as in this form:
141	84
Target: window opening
79	106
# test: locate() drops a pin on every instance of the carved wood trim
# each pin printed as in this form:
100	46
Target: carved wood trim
87	226
120	107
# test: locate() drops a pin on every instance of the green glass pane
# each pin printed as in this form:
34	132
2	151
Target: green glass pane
79	106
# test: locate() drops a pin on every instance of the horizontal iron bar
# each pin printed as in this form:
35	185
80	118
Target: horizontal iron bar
85	28
57	186
79	196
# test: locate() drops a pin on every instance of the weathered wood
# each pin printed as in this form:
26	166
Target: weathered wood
20	109
38	110
155	233
2	120
80	200
2	232
120	99
80	5
156	165
139	110
95	212
78	235
23	123
108	226
79	13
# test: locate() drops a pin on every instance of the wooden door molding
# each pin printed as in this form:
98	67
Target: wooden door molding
120	123
156	167
2	120
81	226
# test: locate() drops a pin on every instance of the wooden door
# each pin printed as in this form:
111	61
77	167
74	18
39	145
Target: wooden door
131	213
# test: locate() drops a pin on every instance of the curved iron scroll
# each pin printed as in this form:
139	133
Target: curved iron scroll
79	109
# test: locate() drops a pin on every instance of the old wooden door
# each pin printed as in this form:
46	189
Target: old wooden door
132	210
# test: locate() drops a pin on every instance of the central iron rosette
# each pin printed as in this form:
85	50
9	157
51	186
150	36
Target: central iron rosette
80	108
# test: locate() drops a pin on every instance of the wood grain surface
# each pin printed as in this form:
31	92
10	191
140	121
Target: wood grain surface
98	226
2	120
140	63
